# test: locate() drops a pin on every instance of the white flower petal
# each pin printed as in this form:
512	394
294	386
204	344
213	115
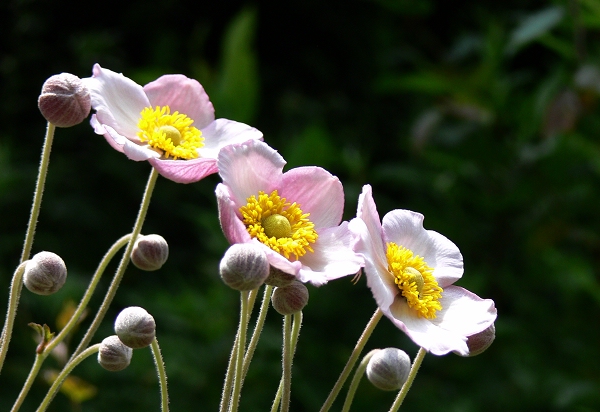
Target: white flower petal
223	132
332	258
464	312
118	100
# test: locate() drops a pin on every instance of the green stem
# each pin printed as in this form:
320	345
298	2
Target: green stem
228	384
293	342
13	302
36	205
352	360
73	320
112	290
63	375
411	377
88	293
260	322
356	380
37	365
241	347
286	364
39	191
162	376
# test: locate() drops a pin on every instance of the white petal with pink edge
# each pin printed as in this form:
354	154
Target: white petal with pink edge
223	132
185	171
118	100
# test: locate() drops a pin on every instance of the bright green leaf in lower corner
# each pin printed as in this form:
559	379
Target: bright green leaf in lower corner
236	94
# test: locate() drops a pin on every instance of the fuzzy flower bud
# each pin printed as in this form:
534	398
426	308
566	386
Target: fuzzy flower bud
244	266
388	369
290	299
135	327
45	273
64	101
113	355
150	252
479	342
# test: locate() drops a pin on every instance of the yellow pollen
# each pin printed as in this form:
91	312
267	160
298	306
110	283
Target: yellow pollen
280	225
415	280
171	134
277	226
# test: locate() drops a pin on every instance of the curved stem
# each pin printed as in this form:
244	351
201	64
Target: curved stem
13	302
241	346
37	365
112	290
88	293
39	191
356	380
162	376
36	205
63	375
411	377
360	344
260	322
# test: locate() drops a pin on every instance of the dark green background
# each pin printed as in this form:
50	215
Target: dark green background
482	115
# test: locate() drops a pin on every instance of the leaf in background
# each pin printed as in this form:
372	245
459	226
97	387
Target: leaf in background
76	389
534	26
236	94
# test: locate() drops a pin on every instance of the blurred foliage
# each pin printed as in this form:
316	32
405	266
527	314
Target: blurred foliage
481	115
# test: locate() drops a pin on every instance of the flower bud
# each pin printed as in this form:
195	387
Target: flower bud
244	266
113	355
135	327
388	369
290	299
279	278
64	101
150	252
45	273
479	342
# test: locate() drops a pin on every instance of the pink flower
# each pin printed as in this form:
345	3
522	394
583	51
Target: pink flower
170	122
410	271
295	216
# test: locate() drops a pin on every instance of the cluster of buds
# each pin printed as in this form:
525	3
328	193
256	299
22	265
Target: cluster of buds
135	328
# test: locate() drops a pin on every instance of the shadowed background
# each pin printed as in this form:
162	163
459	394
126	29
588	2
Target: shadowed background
481	115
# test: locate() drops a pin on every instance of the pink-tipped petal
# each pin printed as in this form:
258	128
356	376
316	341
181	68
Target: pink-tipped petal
332	258
185	171
371	239
317	192
118	100
223	132
183	95
132	150
233	228
248	168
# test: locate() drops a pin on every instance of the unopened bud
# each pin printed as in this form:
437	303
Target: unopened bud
388	369
279	278
45	273
135	327
150	252
290	299
64	101
244	266
113	355
479	342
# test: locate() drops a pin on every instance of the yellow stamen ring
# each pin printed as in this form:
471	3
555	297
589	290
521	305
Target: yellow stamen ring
280	225
415	279
172	134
